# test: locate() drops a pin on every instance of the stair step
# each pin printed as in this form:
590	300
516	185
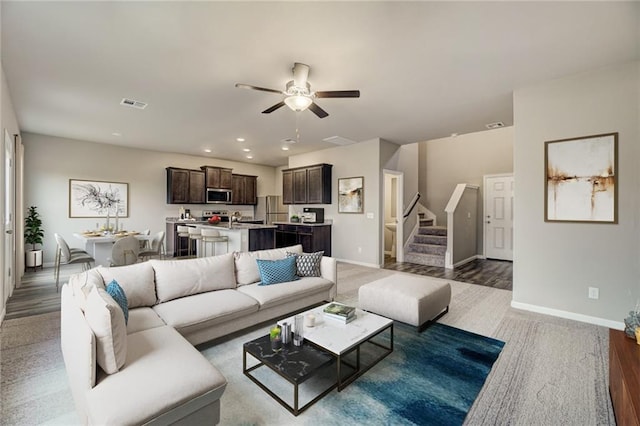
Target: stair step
432	230
426	222
427	249
424	259
430	239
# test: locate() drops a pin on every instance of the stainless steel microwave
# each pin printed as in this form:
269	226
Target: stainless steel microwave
218	196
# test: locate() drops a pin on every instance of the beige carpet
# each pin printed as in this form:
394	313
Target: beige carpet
551	371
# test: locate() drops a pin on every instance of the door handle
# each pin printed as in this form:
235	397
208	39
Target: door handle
9	231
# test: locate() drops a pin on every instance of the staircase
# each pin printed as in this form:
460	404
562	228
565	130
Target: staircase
429	245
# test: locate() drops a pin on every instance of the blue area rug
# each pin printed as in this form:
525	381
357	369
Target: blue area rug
431	378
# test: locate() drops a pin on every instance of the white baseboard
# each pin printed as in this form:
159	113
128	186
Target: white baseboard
618	325
465	261
370	265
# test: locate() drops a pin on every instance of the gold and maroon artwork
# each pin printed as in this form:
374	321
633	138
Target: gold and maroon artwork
581	179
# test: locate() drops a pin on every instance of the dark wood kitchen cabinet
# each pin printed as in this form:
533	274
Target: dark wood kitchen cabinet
307	185
243	189
218	177
313	238
185	186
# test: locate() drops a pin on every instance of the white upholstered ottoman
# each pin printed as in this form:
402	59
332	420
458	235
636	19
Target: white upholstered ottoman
410	299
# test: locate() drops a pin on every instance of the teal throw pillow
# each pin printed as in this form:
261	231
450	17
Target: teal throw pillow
307	264
277	271
118	294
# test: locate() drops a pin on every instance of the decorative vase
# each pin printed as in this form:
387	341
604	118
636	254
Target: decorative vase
295	219
275	336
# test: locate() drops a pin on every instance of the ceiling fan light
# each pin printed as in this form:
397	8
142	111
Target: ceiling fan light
297	102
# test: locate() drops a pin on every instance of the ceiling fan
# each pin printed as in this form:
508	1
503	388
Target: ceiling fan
298	94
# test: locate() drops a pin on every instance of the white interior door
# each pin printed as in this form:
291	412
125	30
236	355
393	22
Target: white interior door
498	215
9	206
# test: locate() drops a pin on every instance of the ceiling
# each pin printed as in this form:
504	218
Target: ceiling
425	69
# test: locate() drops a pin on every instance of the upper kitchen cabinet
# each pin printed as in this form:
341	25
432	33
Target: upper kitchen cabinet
218	177
243	190
185	186
307	185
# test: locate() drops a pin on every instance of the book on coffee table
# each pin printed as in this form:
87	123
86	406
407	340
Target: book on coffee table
340	310
344	320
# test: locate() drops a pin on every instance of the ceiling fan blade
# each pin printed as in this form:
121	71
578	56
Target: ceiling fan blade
338	94
273	108
317	110
300	74
263	89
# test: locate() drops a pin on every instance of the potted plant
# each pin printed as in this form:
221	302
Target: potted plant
33	235
295	219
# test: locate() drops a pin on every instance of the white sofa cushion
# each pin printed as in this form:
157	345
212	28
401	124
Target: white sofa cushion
247	268
206	309
273	295
143	319
82	283
163	371
136	280
106	320
179	278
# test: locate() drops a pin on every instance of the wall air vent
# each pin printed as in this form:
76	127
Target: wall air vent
339	140
132	103
495	125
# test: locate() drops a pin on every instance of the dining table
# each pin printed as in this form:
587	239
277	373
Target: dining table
99	244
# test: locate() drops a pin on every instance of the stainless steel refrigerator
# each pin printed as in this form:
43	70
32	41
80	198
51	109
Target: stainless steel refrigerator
270	209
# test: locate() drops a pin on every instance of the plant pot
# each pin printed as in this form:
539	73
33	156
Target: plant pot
33	259
295	219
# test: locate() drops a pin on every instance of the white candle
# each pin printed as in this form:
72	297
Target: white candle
310	320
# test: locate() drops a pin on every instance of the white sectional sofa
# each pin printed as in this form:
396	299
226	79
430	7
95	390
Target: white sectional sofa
156	375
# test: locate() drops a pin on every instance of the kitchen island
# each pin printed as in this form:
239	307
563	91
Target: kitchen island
242	236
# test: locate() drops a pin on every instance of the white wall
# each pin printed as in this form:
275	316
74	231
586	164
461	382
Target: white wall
50	162
555	263
9	122
463	159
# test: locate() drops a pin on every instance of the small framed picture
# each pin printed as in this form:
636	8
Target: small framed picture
351	195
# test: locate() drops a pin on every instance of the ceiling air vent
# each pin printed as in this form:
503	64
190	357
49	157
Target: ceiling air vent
339	140
133	104
495	125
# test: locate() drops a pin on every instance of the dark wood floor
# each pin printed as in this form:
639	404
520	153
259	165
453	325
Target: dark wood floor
490	273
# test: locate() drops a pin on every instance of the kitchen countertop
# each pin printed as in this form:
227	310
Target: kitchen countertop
239	226
303	223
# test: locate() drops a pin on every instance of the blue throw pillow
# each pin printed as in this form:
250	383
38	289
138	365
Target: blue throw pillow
277	271
115	291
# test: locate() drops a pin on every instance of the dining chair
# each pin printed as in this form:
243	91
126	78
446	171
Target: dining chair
210	237
67	256
144	244
125	251
156	247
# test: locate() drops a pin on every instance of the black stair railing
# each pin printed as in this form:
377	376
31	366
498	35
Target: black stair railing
412	205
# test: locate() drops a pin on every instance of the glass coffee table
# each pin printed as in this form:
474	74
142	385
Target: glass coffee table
328	342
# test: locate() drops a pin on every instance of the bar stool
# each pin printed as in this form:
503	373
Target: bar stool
212	236
183	232
195	235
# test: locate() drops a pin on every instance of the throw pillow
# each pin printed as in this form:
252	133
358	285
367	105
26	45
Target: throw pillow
118	294
277	271
308	264
106	320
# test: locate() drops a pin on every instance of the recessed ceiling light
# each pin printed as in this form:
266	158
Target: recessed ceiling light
285	148
495	125
207	150
246	149
116	134
249	157
240	139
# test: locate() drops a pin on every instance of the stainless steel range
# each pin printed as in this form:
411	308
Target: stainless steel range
223	214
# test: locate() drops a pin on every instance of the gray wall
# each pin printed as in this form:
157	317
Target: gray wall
50	162
463	159
555	263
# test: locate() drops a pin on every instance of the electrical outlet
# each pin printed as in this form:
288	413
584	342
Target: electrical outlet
594	292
